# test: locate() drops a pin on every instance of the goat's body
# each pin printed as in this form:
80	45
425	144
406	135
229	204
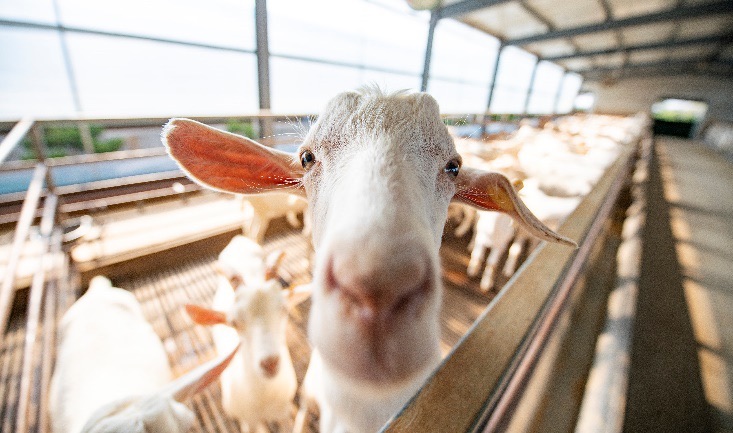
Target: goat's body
108	352
494	232
260	210
247	395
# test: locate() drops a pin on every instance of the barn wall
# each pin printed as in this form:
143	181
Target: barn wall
638	94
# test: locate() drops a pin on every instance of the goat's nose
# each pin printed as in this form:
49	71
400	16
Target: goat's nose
379	292
270	365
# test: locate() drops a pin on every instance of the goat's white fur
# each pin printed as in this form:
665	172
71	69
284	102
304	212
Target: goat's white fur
378	192
112	373
256	311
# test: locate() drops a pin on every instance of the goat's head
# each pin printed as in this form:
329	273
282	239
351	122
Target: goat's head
259	311
379	172
161	412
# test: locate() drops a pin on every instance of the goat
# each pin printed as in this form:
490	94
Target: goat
259	210
494	231
250	305
112	373
379	171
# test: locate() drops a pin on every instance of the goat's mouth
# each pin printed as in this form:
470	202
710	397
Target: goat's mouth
385	345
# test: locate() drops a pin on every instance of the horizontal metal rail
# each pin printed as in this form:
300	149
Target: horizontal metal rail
27	215
483	372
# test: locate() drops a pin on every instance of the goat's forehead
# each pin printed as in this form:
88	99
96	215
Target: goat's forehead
403	122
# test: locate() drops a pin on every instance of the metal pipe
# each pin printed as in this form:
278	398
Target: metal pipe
434	18
263	65
27	214
14	137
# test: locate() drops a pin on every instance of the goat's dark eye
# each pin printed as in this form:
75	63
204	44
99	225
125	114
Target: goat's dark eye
453	167
307	159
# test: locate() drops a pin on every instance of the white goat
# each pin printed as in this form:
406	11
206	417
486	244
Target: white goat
259	210
251	305
379	172
552	211
112	373
494	232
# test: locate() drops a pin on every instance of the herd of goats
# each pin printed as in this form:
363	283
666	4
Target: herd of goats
380	174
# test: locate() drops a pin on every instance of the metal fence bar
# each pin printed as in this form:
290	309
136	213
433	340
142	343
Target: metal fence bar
15	136
27	214
34	314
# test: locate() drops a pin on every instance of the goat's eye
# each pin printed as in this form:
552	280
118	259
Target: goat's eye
453	167
307	159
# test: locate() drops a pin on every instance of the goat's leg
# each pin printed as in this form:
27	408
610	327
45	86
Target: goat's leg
292	218
477	259
468	216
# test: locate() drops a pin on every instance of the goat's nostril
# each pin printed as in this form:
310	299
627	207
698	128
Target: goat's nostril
270	365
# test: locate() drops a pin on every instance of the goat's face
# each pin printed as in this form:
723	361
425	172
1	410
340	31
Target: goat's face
379	175
379	172
259	316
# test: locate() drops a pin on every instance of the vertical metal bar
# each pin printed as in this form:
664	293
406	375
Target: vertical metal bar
531	86
560	88
493	78
70	74
263	65
86	137
27	214
434	18
48	221
39	147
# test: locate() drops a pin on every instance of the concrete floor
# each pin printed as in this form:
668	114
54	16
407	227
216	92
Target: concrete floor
681	377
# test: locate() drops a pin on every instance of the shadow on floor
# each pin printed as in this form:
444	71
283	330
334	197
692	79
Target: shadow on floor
665	389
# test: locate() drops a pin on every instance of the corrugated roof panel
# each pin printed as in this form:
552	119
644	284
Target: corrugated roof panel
578	64
609	60
508	21
727	53
706	26
567	14
647	56
648	33
596	41
555	47
694	52
631	8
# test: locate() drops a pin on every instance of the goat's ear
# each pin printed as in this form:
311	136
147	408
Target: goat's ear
227	162
199	378
493	192
272	264
205	316
294	296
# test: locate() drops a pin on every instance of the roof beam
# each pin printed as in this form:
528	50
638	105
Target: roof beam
719	7
696	63
664	72
664	44
467	6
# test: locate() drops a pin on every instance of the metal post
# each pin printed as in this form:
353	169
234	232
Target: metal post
86	137
70	74
39	147
263	65
531	87
560	88
434	18
493	78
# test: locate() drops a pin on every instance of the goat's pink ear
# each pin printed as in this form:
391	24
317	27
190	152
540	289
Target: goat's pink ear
493	192
205	316
297	295
228	162
272	264
199	378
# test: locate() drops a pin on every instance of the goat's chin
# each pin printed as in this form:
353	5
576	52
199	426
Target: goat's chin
393	358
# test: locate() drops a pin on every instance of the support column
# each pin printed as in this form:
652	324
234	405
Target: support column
493	78
263	66
434	17
531	86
